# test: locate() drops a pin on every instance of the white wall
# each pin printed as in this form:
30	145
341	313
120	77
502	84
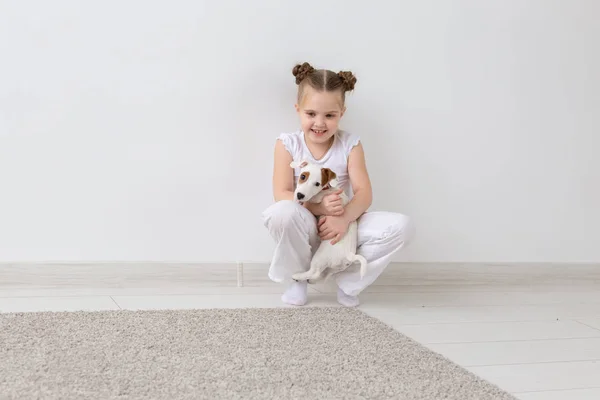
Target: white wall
485	115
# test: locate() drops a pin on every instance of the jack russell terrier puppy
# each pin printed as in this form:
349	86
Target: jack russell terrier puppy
314	183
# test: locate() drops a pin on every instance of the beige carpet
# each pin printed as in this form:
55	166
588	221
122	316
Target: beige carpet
283	353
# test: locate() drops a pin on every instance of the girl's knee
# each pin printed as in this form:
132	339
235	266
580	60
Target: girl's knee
402	226
283	214
386	226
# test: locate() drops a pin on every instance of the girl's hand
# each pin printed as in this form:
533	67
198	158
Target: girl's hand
332	227
332	203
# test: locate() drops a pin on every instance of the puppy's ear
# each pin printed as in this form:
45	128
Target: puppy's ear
328	176
298	164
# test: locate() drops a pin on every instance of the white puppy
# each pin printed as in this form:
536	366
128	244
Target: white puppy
314	183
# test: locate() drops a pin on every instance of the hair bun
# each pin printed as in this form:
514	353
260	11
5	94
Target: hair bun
348	78
301	71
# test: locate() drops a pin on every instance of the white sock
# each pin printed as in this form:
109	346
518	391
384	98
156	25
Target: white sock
346	300
295	294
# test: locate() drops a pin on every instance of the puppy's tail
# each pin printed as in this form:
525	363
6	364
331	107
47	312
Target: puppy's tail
363	263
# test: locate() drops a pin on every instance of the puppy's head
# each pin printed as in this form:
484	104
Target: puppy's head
312	180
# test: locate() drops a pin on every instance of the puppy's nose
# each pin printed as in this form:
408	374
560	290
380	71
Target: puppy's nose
300	196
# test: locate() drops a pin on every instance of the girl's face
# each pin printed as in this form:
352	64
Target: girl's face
320	114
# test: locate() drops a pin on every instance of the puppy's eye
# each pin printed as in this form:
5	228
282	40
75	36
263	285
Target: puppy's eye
302	176
317	184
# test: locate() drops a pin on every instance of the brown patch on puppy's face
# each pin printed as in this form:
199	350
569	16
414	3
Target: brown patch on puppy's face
304	176
326	176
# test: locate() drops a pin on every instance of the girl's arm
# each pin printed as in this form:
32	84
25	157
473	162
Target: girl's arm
361	185
283	178
283	174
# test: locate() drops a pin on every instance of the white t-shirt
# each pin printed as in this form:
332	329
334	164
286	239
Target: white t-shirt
335	159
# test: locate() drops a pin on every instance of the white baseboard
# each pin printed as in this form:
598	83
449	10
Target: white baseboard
179	274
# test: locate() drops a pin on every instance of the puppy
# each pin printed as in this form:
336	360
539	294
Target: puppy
314	183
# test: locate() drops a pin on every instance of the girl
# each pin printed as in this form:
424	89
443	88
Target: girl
298	229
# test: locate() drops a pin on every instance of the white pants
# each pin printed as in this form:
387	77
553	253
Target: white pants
294	229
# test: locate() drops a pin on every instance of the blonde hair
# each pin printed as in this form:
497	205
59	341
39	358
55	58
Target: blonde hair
323	80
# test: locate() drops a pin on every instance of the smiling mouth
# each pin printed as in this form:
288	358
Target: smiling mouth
319	132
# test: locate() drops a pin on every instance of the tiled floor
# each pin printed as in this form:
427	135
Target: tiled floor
533	330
